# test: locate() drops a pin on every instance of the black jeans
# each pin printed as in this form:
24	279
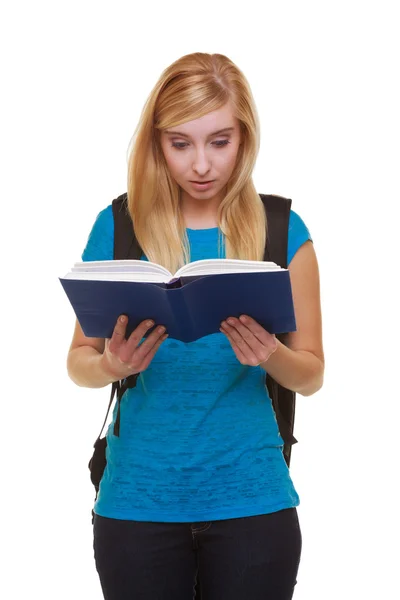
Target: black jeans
251	558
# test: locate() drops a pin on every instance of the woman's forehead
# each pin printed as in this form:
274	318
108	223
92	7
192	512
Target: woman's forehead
216	122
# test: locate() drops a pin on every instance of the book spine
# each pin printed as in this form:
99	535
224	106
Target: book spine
182	317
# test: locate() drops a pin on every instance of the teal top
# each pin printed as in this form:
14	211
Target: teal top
199	440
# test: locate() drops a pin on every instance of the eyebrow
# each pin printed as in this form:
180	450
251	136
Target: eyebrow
188	136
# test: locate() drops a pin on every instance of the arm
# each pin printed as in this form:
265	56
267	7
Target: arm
94	362
299	366
84	361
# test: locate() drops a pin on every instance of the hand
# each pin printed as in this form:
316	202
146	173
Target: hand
122	357
251	343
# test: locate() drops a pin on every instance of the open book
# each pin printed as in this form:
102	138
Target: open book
190	303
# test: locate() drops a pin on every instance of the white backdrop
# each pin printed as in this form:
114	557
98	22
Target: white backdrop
75	76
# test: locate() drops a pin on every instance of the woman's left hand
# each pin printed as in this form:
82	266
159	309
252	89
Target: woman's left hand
251	343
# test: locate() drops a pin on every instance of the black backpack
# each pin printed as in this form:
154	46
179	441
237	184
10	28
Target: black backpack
127	247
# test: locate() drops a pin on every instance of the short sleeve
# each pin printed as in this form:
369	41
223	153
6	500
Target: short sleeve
298	234
100	244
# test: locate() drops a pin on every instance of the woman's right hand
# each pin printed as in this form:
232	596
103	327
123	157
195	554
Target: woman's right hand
122	357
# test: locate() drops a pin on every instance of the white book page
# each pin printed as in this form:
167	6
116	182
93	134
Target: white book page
226	265
119	270
139	270
118	276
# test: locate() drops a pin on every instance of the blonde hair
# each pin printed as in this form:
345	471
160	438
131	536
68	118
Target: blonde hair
191	87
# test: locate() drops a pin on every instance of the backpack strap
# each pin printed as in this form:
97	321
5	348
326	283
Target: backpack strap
277	209
114	388
283	400
126	246
98	460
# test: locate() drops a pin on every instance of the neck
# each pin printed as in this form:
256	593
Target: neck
199	214
200	223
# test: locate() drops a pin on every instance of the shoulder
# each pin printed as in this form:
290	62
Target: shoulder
105	217
298	234
100	243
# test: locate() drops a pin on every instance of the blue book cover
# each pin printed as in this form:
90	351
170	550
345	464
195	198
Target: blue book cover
190	307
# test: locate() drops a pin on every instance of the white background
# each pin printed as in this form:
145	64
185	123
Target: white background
324	75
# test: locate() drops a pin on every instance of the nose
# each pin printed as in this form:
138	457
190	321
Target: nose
201	164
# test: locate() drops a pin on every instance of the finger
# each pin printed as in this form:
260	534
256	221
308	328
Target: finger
137	334
239	354
261	347
148	342
118	335
262	334
138	353
243	353
150	355
242	336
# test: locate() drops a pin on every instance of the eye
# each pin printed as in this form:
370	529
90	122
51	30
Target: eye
183	145
179	145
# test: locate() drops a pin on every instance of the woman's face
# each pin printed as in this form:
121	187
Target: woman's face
196	152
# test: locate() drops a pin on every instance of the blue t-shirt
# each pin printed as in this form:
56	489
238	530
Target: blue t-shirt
198	440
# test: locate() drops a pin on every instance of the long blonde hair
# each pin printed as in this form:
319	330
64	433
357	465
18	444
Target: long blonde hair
191	87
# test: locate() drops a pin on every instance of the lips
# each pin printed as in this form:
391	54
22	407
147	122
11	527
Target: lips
203	186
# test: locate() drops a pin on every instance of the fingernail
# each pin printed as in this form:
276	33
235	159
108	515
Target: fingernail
231	321
161	329
122	319
243	319
150	323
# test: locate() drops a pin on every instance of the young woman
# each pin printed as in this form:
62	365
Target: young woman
196	485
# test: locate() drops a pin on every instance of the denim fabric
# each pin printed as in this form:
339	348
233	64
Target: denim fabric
250	558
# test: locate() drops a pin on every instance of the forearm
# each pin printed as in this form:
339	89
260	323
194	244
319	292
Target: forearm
296	370
86	368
